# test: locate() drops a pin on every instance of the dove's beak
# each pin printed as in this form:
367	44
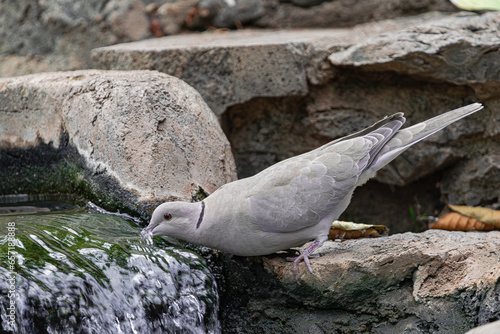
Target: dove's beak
148	230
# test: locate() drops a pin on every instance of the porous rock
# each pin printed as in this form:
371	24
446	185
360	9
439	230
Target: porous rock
433	282
234	67
142	137
279	94
460	50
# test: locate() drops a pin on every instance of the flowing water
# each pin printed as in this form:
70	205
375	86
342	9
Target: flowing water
81	272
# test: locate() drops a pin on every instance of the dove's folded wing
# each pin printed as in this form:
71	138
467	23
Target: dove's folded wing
298	193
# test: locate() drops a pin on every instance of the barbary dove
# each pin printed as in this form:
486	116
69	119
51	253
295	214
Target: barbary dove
297	199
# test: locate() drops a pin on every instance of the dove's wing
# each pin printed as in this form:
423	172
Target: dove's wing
301	191
409	136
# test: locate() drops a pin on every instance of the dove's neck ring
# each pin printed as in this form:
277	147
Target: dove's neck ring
202	214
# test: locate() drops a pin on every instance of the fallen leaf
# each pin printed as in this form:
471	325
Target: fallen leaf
348	230
484	215
455	221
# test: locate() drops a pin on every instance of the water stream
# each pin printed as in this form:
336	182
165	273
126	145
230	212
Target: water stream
81	272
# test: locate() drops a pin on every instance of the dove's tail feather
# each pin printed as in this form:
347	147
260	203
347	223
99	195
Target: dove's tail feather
406	137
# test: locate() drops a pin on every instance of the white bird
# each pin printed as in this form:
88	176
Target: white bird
297	199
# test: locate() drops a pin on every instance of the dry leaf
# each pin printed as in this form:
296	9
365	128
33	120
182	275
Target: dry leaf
484	215
455	221
348	230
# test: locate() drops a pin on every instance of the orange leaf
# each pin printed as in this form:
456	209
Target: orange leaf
455	221
487	216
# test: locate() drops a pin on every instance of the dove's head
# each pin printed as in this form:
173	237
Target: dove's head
175	219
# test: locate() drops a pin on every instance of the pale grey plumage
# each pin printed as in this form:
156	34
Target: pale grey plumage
295	200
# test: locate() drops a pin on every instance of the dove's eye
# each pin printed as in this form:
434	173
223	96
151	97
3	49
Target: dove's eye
167	216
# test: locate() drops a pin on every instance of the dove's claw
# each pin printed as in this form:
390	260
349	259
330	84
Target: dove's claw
305	257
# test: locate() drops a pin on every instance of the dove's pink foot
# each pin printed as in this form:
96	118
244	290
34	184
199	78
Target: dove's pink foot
305	257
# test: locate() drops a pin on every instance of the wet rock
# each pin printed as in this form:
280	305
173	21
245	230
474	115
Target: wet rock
140	137
436	281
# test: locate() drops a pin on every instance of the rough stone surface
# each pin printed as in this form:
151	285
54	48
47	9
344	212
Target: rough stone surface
144	137
218	65
432	282
58	35
342	13
234	67
40	36
467	47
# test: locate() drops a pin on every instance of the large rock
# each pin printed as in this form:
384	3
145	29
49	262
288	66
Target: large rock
203	14
279	94
467	46
218	65
235	67
433	282
58	35
142	137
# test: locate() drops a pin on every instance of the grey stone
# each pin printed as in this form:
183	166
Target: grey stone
230	13
148	134
40	36
491	328
432	282
460	50
234	67
218	65
474	181
58	35
343	13
278	95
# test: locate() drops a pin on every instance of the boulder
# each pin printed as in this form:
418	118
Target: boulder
432	282
131	138
53	36
467	46
279	94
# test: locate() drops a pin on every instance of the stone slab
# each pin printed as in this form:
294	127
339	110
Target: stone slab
234	67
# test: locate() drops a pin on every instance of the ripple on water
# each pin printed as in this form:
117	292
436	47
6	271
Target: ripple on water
92	273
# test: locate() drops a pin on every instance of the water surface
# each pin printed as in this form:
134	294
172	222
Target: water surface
81	272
